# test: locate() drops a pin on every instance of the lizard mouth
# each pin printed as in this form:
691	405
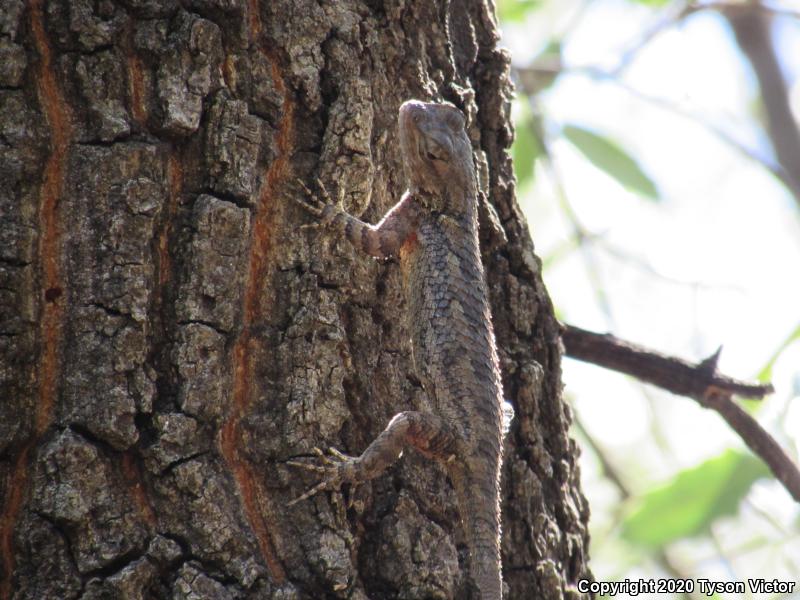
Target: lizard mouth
419	146
415	142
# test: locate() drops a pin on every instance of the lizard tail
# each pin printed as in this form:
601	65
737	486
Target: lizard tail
480	510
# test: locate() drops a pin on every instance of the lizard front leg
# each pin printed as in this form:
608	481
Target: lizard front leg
381	241
424	431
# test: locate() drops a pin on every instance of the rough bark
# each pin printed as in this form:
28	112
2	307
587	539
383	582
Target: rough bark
169	337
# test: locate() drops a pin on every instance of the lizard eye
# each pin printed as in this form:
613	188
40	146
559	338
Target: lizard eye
436	151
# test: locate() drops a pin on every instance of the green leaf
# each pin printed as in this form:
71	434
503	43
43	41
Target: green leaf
608	156
651	2
765	374
526	147
693	500
511	11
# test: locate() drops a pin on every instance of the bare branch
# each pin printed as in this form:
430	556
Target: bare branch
696	380
752	28
729	8
699	381
757	439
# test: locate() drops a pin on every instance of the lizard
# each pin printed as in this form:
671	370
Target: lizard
433	230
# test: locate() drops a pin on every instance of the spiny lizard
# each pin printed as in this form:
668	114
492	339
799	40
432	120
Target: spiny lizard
434	231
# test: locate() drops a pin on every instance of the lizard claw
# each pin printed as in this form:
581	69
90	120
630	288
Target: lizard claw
341	457
339	198
316	468
311	205
320	205
314	225
335	470
323	191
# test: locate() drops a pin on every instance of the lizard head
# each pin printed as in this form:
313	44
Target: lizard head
436	151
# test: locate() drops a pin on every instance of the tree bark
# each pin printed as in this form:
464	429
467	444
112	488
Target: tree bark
169	337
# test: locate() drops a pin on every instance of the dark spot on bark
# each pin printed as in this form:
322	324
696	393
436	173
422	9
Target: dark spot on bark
52	294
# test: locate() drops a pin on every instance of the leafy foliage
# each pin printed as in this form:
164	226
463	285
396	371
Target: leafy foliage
766	371
512	11
608	156
693	500
526	148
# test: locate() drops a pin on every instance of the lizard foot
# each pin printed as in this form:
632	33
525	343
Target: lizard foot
320	205
335	470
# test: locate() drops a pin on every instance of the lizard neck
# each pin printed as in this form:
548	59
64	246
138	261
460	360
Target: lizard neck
452	200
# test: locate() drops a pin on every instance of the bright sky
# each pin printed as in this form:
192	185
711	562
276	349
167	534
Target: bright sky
723	246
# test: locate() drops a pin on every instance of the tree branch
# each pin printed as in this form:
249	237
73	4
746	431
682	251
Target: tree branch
699	381
758	440
732	8
752	28
696	380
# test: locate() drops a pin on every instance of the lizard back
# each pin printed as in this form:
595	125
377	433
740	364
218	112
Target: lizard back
449	319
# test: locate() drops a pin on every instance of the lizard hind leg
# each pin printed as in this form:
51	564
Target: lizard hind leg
424	431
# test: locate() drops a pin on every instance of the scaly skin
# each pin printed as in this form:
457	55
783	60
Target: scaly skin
434	231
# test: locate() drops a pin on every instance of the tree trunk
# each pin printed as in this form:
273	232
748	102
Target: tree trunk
169	336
